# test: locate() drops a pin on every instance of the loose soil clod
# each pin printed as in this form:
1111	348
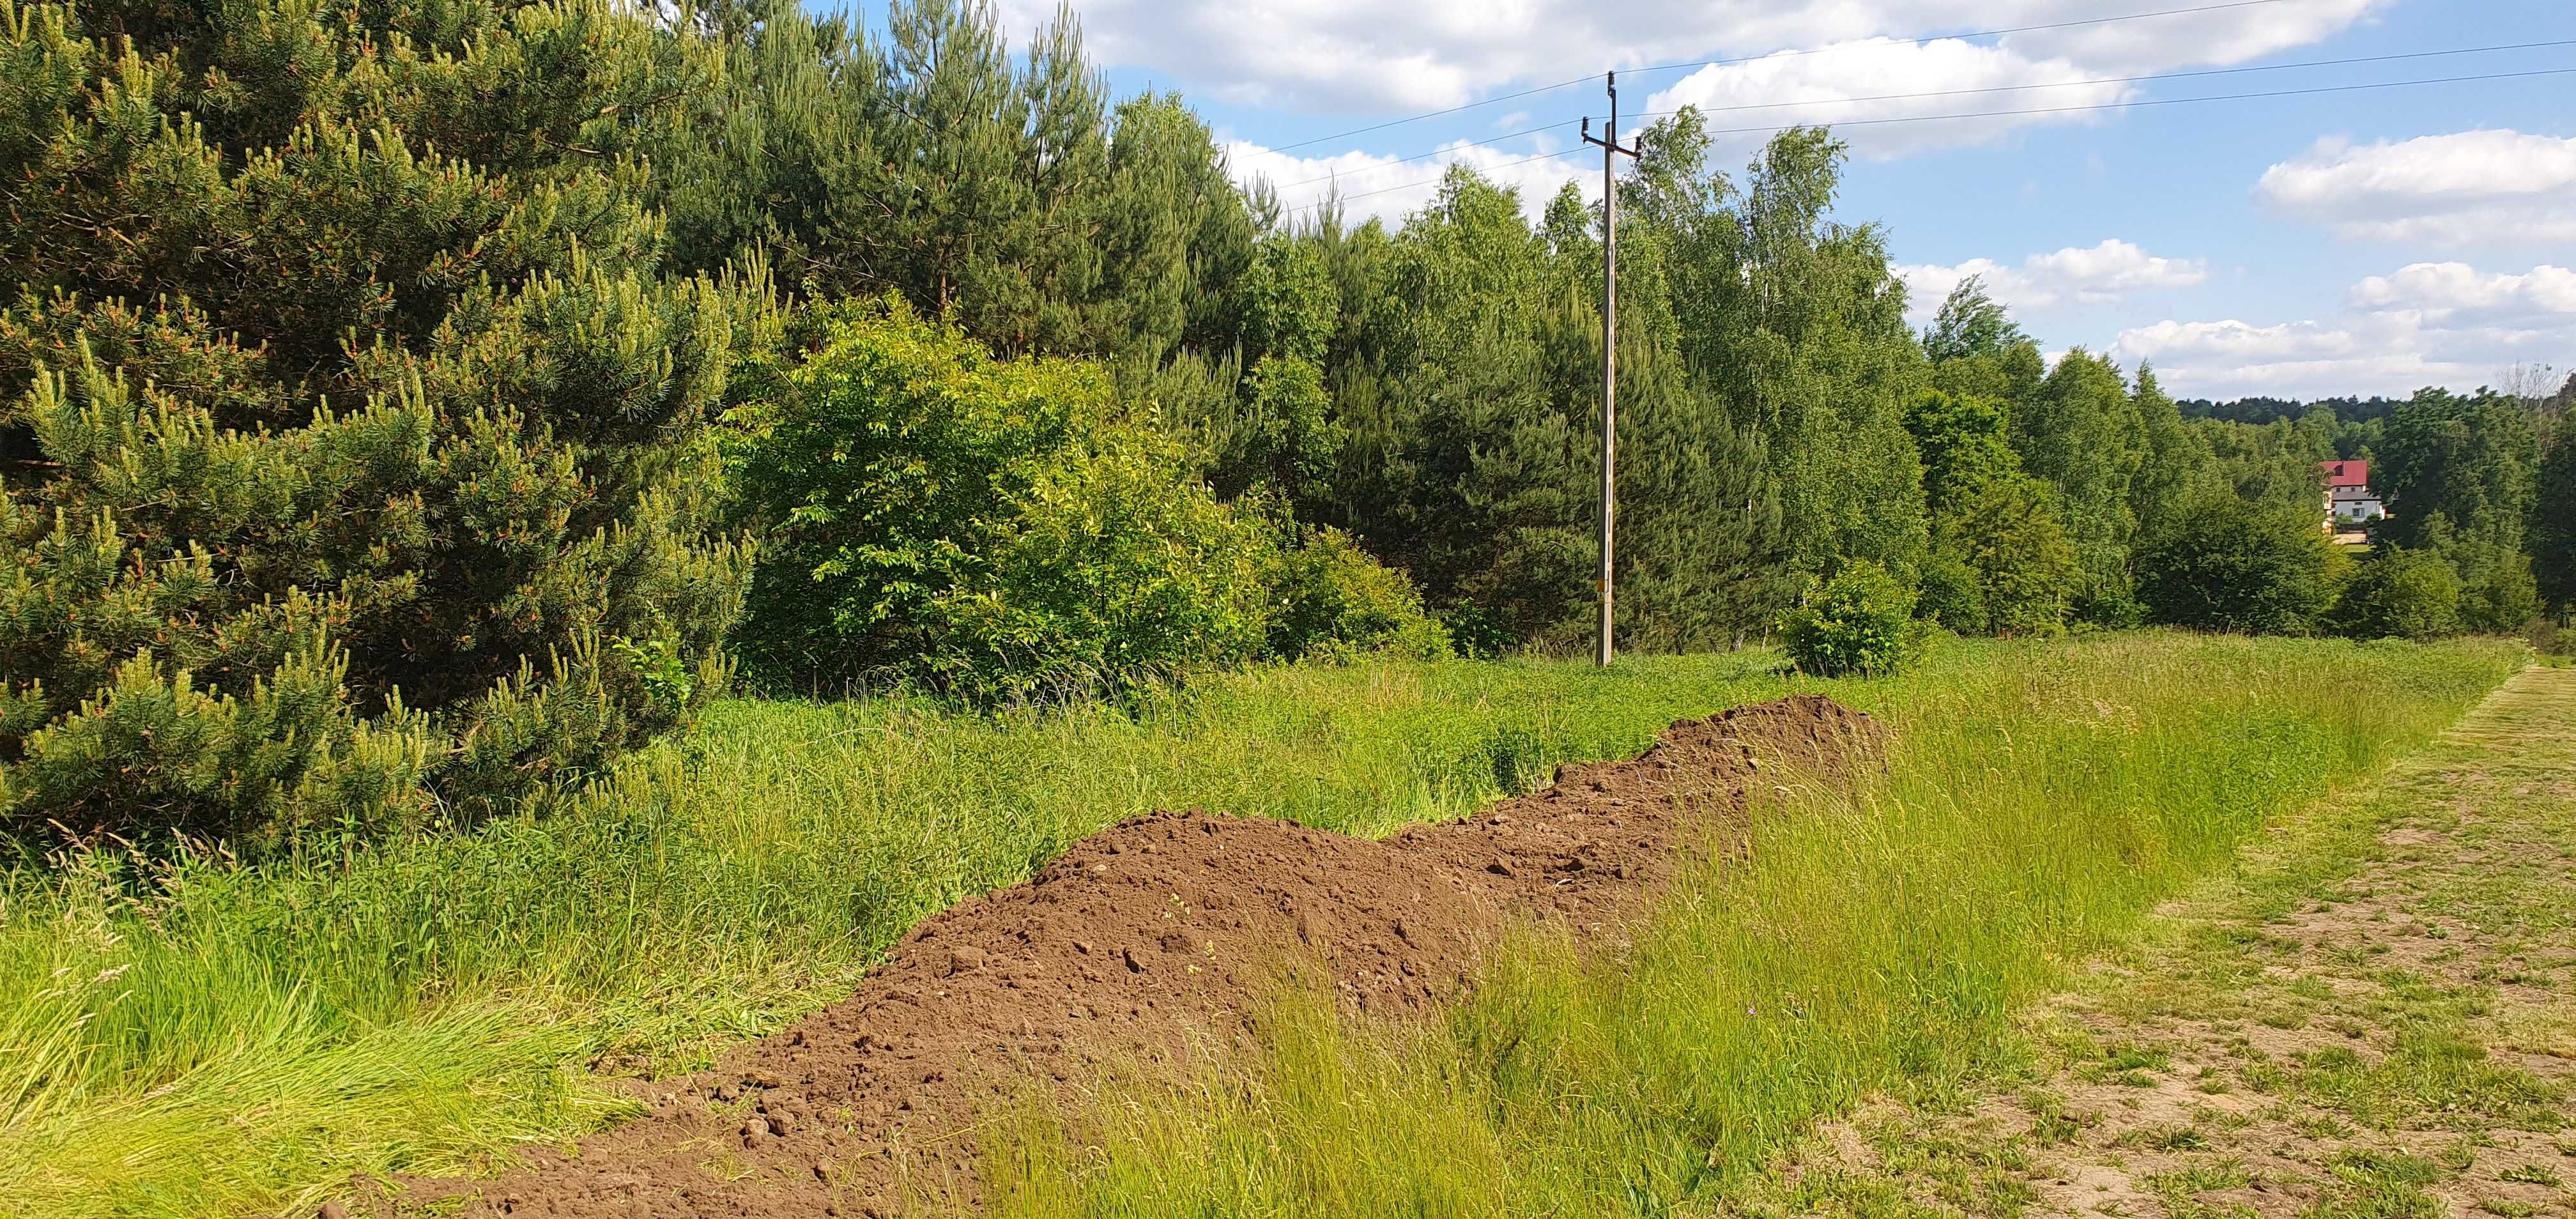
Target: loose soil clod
1143	939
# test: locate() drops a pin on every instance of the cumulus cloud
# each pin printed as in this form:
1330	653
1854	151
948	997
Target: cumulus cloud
1864	80
1388	187
2458	292
2426	324
1359	56
2458	189
2096	274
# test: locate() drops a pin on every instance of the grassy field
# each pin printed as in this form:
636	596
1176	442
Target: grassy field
2375	1017
213	1038
1876	942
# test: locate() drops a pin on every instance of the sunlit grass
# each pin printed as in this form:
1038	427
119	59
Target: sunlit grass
215	1039
2039	801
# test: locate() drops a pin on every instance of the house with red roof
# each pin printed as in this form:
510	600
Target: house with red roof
2350	503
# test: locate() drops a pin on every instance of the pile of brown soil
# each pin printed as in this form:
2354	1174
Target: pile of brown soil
1146	938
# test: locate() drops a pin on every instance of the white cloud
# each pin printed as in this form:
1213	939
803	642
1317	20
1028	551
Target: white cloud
2096	274
2456	291
2426	324
2458	189
1390	188
1838	85
1360	56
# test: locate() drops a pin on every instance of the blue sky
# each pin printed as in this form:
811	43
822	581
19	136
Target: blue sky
2354	242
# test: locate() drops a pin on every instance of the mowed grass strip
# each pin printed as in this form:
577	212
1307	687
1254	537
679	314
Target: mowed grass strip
213	1039
2039	802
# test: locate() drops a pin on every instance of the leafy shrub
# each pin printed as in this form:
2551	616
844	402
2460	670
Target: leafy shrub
2404	594
998	529
2227	565
349	478
1950	593
1861	621
2498	595
1332	601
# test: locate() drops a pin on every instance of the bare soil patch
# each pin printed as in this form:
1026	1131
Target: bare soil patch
1149	941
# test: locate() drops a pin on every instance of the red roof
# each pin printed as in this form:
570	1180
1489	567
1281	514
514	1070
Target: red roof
2346	473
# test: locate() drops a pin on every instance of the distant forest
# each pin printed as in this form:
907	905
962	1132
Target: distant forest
2273	410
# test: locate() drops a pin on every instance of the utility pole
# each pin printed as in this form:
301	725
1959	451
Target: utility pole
1610	152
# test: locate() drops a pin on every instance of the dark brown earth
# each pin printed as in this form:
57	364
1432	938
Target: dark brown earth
1148	938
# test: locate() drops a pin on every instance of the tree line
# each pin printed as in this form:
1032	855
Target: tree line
406	407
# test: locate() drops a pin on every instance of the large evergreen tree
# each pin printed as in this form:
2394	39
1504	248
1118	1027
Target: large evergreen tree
351	415
1005	191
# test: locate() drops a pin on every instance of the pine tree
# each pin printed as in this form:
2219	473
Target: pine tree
353	428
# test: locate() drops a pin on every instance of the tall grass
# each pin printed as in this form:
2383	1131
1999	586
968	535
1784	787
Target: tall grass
211	1038
2038	802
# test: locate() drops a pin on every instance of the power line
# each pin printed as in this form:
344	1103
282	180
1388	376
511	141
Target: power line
1977	114
1711	63
2061	84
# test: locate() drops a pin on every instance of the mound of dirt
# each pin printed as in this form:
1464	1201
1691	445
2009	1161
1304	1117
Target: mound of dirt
1146	938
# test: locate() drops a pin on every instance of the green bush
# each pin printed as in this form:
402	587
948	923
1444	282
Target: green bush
1951	593
351	424
1333	602
2402	594
2227	565
2498	595
999	530
1861	621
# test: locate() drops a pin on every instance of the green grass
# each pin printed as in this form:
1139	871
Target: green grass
215	1038
2039	803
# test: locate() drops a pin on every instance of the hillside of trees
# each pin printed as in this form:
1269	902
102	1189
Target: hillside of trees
407	408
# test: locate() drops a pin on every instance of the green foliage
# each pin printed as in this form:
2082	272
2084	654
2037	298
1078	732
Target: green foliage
2498	594
1965	442
1971	323
1950	593
2553	521
1465	382
1004	192
2008	538
2179	470
348	406
2228	565
989	528
1000	530
1797	323
2401	594
2465	462
1861	621
2082	433
2001	562
1334	602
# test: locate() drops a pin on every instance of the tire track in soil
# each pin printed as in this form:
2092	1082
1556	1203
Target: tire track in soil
1147	939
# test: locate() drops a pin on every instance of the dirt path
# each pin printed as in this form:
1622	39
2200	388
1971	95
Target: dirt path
1145	941
2376	1020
